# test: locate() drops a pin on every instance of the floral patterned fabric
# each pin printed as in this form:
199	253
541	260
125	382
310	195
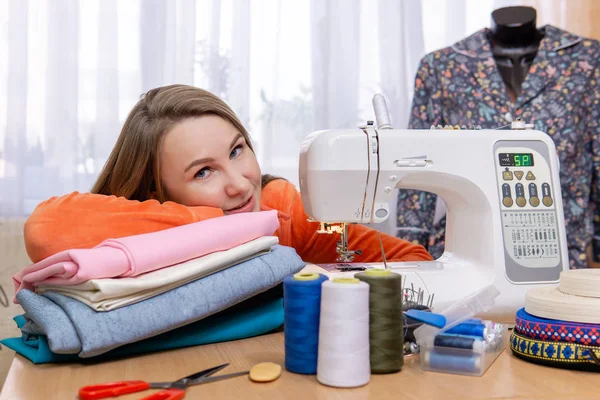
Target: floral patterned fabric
461	85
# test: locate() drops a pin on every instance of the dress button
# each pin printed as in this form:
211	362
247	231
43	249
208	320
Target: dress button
508	117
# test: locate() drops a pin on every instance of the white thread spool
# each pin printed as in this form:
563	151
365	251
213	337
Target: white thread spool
343	359
382	116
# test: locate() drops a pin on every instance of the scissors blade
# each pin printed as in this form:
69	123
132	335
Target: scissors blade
201	374
205	379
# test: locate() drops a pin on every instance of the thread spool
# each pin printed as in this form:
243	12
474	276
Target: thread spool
452	362
343	359
386	331
478	338
382	115
302	307
470	329
459	342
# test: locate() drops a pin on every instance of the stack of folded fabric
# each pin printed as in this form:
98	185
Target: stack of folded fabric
560	326
200	283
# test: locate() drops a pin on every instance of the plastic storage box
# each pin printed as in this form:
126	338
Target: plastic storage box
439	357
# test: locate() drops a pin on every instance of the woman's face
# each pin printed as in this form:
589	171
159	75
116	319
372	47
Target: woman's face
205	161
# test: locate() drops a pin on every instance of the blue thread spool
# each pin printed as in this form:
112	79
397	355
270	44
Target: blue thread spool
459	342
302	305
448	362
470	329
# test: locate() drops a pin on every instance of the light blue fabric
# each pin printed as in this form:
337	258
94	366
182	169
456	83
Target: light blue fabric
238	322
100	332
48	314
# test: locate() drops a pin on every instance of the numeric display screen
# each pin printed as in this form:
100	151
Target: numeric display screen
516	159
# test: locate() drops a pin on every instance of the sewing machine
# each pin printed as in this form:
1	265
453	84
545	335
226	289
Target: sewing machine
504	213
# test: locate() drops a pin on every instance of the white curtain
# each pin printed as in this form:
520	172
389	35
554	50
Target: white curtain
71	70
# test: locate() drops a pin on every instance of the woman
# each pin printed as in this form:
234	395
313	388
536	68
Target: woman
184	156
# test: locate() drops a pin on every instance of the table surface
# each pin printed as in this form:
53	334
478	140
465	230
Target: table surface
508	377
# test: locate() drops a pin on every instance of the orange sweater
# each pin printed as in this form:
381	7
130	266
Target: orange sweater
83	220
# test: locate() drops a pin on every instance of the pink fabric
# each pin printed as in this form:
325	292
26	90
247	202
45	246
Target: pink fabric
135	255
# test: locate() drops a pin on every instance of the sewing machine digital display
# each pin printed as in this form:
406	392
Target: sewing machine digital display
528	212
516	159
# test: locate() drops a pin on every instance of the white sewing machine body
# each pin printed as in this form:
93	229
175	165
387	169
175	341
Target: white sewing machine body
504	213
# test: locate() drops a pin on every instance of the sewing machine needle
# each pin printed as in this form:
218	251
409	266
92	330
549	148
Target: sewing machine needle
382	251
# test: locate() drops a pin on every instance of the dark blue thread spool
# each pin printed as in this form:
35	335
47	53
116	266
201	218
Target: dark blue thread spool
302	306
459	342
453	341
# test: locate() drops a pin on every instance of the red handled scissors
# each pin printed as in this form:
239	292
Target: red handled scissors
173	390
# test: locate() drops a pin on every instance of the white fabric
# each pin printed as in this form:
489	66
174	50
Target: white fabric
581	282
110	294
549	302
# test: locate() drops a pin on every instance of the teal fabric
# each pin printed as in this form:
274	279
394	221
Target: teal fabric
245	320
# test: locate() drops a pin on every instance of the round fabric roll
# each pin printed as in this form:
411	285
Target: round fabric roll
553	330
550	302
581	282
556	354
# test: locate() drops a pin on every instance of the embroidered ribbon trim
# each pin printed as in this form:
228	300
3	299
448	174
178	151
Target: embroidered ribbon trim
555	351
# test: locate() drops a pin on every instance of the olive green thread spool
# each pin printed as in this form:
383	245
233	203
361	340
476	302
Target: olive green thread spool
386	331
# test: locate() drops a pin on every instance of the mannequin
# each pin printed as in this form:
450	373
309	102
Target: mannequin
514	39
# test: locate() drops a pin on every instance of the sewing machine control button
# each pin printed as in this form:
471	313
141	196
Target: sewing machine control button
519	190
381	213
519	174
530	176
411	163
507	175
520	193
393	178
506	194
534	201
533	190
387	189
546	196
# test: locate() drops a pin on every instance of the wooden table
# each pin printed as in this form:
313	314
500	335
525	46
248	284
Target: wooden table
508	377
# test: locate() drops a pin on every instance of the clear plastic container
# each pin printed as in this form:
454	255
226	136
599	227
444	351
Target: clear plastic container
436	356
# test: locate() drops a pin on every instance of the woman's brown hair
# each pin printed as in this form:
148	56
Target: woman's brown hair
132	169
